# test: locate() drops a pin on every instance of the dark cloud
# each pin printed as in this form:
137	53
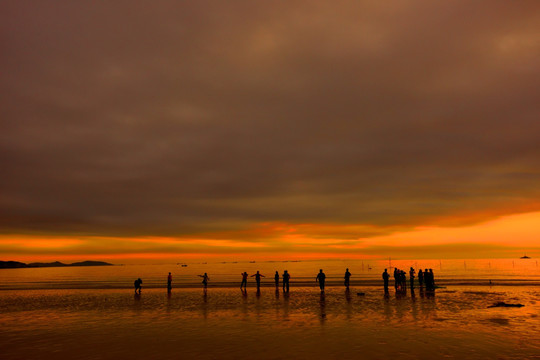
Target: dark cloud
176	118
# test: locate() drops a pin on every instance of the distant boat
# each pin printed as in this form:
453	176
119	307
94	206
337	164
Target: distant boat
524	257
184	265
252	262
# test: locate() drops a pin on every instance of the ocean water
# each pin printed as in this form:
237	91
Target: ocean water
92	313
303	273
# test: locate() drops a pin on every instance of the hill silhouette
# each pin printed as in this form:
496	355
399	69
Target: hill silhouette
17	264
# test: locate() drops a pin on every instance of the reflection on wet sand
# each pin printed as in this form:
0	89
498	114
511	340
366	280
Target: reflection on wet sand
223	316
322	303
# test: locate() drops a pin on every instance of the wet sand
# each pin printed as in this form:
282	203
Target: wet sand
227	324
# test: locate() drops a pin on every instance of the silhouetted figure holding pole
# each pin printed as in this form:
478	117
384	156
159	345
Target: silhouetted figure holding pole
276	279
205	280
138	285
244	280
321	277
286	276
169	283
385	277
411	277
347	277
258	279
421	278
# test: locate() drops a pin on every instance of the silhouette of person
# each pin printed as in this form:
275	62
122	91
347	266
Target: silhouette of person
286	277
169	283
321	277
396	278
347	277
258	279
420	278
205	280
403	280
244	280
276	279
431	279
385	277
138	285
427	279
411	277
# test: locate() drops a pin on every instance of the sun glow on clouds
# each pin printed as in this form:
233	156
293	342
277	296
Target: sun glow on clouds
494	238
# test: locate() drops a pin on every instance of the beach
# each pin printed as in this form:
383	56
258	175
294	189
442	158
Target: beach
225	323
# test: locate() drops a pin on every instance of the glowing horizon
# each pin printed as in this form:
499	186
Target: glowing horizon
490	239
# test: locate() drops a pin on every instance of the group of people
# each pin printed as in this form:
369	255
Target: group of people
400	280
426	278
286	277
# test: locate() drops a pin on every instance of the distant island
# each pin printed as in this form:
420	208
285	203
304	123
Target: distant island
18	265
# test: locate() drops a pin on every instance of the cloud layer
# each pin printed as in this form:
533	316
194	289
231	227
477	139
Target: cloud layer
188	118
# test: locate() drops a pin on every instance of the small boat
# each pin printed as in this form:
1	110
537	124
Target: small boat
525	257
184	265
252	262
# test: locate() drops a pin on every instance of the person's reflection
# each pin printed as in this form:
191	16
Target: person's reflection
277	294
348	295
349	305
137	304
322	303
414	305
168	302
205	305
387	307
400	304
286	305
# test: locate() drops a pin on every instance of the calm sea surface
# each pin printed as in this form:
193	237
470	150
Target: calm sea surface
92	313
477	272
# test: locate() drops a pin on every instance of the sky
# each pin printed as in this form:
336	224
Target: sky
164	130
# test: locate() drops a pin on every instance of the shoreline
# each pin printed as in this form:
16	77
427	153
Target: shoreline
301	284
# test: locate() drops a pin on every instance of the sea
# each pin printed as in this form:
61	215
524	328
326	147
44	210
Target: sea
93	312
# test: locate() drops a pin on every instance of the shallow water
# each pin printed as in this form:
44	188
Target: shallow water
92	313
227	324
365	272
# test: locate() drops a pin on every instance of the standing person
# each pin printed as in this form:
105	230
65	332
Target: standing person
276	279
244	280
286	276
321	277
138	285
403	280
396	278
169	283
426	279
347	277
205	280
385	277
420	278
431	279
258	279
411	277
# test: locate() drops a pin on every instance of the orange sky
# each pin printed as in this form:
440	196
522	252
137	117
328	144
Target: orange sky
505	237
